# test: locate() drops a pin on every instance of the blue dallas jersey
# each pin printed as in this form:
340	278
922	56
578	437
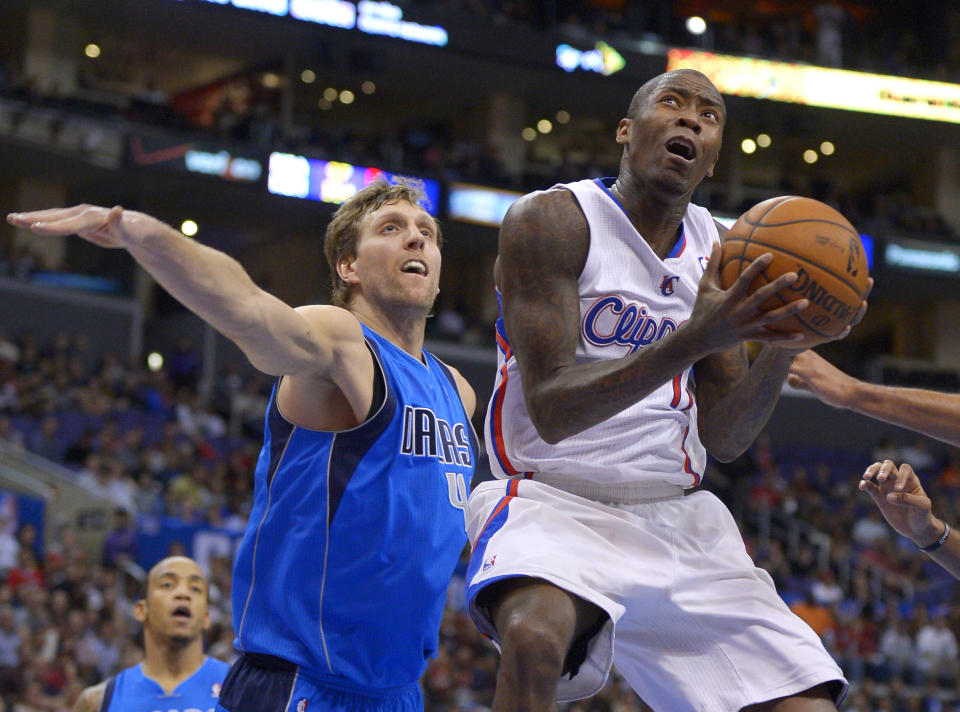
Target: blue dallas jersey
132	691
353	536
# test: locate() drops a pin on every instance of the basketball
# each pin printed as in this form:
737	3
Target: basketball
815	241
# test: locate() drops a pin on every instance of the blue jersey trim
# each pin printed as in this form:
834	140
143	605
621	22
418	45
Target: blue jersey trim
605	184
281	430
108	694
350	447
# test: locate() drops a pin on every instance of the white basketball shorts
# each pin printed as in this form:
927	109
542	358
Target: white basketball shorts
694	624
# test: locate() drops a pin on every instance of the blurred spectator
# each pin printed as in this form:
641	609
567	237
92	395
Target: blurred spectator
830	17
869	528
936	648
120	544
896	647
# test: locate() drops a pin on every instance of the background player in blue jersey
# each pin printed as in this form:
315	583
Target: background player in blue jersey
357	523
175	675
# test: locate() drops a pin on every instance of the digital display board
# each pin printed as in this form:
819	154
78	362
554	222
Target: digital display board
823	86
374	17
333	181
477	204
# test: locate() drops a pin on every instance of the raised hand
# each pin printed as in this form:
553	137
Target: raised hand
106	227
899	496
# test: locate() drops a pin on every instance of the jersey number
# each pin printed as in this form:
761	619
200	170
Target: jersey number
457	491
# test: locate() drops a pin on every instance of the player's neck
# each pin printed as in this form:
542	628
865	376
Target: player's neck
402	327
655	216
169	665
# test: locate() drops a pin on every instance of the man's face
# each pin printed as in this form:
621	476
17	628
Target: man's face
398	258
674	137
176	602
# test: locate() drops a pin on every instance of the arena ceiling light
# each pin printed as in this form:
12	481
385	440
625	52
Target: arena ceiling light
763	140
827	148
92	50
563	117
308	76
748	145
810	156
696	25
189	228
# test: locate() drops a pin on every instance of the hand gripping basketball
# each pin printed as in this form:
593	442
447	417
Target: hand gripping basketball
819	244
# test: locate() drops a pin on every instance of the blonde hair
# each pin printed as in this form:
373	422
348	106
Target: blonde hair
340	241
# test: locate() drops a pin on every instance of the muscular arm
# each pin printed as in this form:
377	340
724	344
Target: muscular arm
734	400
928	412
276	338
544	242
90	699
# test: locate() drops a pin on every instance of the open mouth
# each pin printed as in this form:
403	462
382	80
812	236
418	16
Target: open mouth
682	147
182	612
415	267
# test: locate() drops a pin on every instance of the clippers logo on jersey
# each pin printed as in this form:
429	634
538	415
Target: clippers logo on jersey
426	435
668	283
612	320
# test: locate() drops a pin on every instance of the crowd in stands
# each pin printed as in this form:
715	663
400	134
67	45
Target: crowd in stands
827	32
140	439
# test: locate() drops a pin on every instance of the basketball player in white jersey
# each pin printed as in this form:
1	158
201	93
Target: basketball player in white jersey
622	364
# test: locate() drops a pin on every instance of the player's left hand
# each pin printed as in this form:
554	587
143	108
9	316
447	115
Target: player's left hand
899	496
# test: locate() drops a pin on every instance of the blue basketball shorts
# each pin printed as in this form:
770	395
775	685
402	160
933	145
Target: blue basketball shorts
260	683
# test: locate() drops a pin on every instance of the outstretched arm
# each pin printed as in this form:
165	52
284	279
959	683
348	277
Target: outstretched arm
928	412
899	496
544	241
276	338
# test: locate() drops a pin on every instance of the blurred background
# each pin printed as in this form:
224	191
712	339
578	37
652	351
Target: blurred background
129	430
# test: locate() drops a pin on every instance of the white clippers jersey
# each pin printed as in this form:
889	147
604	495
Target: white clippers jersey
629	298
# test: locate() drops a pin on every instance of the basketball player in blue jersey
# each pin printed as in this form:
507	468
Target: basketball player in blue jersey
340	580
175	675
622	364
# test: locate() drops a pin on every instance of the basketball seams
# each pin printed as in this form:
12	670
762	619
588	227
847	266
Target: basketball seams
753	227
806	260
803	220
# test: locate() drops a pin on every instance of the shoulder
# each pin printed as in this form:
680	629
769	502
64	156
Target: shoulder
90	699
467	395
547	227
544	205
331	317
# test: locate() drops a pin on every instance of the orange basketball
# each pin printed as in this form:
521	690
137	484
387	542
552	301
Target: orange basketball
815	241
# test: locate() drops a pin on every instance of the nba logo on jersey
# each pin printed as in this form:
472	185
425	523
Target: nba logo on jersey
302	704
668	284
489	562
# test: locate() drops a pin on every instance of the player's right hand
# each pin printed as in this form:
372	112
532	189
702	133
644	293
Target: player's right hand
107	227
898	494
725	317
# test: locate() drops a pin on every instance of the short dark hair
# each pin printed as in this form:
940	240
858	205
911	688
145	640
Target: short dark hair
649	86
